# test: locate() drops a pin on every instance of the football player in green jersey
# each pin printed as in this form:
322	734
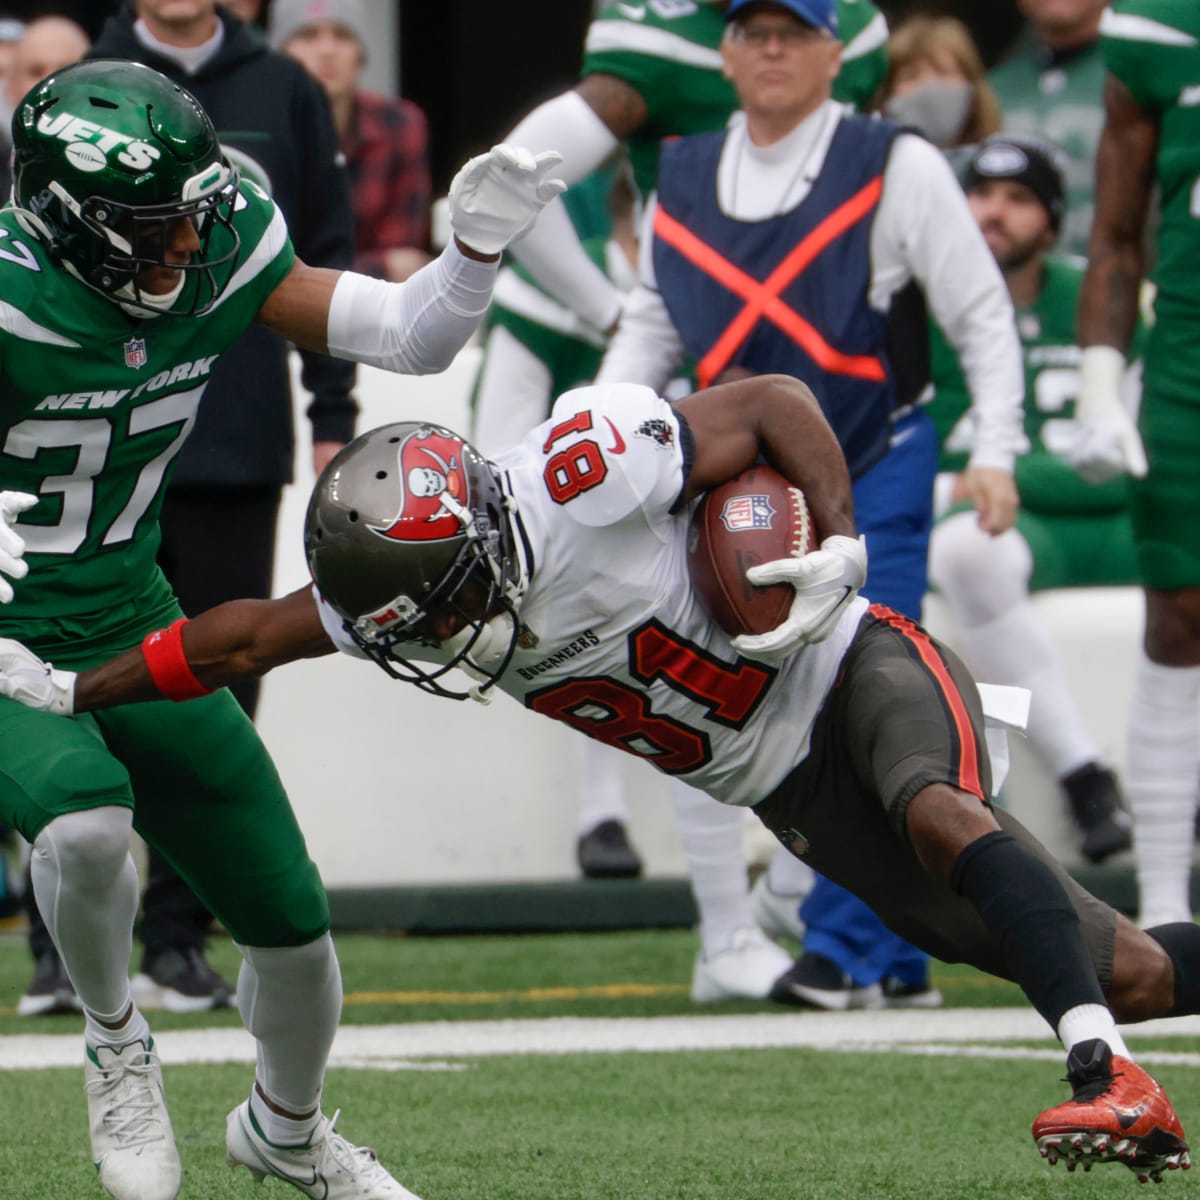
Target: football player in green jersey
1069	532
1151	138
1051	86
131	258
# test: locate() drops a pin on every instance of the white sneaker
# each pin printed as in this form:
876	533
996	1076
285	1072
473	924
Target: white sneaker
328	1168
776	914
133	1147
747	970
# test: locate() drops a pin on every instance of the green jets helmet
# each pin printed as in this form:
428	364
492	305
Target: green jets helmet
108	157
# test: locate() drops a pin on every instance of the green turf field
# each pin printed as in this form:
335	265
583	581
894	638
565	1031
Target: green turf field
444	1068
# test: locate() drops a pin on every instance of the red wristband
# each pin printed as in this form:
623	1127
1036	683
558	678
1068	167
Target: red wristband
168	665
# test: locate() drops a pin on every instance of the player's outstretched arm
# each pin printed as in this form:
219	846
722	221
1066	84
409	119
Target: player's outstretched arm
418	326
241	639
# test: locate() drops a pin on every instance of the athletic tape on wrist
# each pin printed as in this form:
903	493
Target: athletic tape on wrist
168	664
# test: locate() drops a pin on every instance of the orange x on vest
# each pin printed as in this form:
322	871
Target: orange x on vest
762	299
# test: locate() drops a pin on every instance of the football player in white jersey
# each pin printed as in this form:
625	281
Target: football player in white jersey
558	574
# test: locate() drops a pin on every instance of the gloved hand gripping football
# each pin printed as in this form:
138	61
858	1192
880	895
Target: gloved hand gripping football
496	197
826	580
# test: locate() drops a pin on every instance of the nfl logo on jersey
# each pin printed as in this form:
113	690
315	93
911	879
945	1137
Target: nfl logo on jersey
747	512
135	352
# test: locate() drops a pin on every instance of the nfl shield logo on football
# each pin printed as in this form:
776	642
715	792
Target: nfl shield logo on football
135	353
747	512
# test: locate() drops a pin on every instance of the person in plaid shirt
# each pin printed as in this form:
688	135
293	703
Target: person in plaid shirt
385	139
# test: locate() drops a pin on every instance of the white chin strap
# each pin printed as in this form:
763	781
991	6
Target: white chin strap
488	651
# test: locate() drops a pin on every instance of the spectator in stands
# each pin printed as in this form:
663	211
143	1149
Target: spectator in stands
936	83
1069	532
385	140
842	218
1051	85
218	521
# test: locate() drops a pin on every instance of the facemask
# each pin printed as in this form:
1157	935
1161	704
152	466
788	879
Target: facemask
938	108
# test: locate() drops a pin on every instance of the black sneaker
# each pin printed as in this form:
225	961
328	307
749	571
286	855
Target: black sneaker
818	982
897	993
1099	811
180	981
50	991
605	853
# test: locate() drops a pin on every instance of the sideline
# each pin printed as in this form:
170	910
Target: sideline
964	1031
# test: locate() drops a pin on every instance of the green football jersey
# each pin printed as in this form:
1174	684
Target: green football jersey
669	51
1046	482
1153	48
1064	102
96	405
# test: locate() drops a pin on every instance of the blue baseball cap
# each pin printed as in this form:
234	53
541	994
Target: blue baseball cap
820	14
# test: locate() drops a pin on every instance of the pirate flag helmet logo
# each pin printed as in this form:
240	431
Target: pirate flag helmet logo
409	534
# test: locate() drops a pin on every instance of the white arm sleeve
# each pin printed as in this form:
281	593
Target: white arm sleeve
647	347
925	215
551	251
415	327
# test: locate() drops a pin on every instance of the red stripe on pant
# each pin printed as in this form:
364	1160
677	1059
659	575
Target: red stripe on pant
969	775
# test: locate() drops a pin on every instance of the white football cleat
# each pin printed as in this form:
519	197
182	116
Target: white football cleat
133	1146
328	1168
777	914
747	970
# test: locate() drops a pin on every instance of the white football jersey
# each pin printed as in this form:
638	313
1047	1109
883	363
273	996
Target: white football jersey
618	646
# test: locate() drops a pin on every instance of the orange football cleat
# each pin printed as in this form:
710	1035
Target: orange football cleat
1116	1114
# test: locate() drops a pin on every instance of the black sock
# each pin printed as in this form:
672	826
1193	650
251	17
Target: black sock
1181	941
1028	912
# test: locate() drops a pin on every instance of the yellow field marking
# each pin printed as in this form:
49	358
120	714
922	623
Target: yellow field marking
603	991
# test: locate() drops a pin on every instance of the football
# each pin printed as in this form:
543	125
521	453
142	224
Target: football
754	518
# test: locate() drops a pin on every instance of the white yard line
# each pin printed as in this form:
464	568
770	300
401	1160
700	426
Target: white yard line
428	1045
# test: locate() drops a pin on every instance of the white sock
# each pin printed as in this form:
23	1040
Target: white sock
134	1028
601	786
711	835
1161	782
86	888
290	999
279	1130
790	876
1087	1021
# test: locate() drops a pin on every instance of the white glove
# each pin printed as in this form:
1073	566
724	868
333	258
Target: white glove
1109	442
36	684
496	197
12	544
826	580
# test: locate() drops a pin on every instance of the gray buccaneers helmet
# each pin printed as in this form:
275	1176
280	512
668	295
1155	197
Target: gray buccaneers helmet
407	527
106	155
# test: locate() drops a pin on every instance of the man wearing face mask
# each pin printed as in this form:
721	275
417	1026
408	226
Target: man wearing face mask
794	241
1052	85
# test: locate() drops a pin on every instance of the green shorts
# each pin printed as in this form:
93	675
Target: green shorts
1165	503
904	714
203	791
